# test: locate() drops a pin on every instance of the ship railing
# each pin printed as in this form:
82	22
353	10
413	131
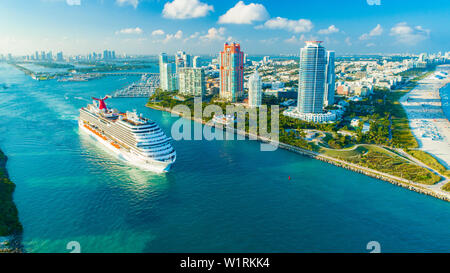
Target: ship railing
160	153
150	136
154	140
159	149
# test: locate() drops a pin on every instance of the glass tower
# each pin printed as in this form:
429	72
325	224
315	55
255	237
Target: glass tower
311	83
330	79
254	90
167	76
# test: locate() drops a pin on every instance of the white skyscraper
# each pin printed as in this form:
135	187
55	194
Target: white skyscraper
196	62
167	76
330	78
254	90
182	59
312	84
191	81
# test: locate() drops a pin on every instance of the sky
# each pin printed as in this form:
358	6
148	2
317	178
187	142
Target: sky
144	27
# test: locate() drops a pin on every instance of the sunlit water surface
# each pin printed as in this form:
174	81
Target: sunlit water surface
221	196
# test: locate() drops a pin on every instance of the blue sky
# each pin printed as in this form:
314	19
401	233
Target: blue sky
202	26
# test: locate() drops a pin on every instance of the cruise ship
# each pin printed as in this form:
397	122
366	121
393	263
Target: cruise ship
135	139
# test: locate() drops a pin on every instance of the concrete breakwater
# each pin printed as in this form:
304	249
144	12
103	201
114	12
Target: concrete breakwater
410	185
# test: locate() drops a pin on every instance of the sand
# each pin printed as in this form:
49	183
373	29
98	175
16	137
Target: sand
427	120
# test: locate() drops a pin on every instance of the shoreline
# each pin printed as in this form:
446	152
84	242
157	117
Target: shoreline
426	117
10	226
430	190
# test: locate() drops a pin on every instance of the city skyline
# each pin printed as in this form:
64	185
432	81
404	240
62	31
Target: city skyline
200	26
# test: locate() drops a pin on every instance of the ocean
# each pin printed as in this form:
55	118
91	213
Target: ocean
220	196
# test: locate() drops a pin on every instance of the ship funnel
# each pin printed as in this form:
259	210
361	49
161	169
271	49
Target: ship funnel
102	104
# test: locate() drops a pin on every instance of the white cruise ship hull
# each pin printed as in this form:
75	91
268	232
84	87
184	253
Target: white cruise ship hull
146	164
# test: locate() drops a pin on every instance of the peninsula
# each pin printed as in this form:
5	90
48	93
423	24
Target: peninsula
9	217
386	152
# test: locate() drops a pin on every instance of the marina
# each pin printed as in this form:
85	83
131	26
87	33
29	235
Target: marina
144	88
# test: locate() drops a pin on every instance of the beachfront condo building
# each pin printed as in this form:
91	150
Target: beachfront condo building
182	60
311	83
330	80
196	62
231	72
254	90
167	76
191	81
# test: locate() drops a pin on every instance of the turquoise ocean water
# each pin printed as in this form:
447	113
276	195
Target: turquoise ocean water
221	196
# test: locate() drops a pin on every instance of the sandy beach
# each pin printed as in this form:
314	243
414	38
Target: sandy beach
427	120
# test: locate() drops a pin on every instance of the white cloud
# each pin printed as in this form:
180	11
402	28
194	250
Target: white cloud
133	3
377	31
244	14
177	36
185	9
214	34
301	39
158	32
73	2
270	41
195	35
192	36
136	30
409	35
370	45
330	30
348	41
297	26
292	40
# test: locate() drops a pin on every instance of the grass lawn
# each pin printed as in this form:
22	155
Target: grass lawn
377	158
446	187
429	160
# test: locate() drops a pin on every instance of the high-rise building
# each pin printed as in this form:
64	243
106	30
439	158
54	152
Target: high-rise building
49	56
311	83
182	59
196	62
162	73
59	56
36	57
167	77
231	72
191	81
330	79
254	90
42	55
